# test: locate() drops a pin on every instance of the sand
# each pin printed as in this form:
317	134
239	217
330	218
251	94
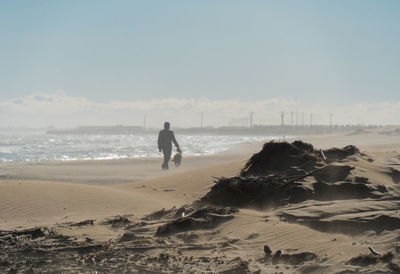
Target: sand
99	216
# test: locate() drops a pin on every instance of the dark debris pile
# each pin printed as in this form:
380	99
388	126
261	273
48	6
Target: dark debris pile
280	156
261	191
275	176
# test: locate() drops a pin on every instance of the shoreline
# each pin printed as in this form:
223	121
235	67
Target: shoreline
42	149
107	172
122	171
118	171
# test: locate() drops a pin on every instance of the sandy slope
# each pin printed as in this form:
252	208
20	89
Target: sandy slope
30	203
237	242
71	191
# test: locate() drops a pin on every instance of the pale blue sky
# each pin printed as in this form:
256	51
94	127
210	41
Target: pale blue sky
318	51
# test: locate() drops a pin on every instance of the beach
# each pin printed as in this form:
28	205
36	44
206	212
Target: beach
77	216
199	137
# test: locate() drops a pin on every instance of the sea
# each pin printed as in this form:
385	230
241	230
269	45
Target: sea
18	146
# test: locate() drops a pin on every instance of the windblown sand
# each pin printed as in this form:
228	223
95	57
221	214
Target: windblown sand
128	216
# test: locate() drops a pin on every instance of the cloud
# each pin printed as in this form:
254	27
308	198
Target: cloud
61	110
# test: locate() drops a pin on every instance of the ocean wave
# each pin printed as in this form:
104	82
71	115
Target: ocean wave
39	147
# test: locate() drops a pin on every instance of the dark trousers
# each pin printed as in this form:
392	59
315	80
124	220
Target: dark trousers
167	156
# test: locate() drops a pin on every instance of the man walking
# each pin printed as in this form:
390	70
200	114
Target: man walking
165	139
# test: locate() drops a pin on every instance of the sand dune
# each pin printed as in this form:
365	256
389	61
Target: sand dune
324	222
30	203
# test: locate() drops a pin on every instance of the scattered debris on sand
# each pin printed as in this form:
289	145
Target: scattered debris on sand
202	218
319	189
293	259
371	221
41	250
395	174
365	260
267	250
118	221
83	223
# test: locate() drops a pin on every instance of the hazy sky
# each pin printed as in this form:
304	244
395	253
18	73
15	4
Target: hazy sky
307	54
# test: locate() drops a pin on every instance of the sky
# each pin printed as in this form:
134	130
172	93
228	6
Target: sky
73	62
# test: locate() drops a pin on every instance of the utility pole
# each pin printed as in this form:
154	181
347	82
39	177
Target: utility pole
282	118
251	119
291	118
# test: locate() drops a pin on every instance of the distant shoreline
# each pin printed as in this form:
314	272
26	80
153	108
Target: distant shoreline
254	130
